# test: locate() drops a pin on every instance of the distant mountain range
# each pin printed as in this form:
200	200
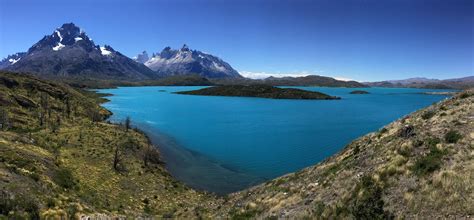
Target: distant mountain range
420	82
311	80
70	55
186	61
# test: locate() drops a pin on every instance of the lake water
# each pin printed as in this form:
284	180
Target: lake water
224	144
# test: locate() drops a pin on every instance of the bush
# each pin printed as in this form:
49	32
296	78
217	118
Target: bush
464	95
452	136
319	208
430	162
64	178
36	177
428	115
367	201
15	207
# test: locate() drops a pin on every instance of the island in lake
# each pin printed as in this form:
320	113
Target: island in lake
359	92
260	91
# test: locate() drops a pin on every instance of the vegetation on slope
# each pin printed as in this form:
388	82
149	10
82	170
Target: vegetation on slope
197	80
58	158
260	91
420	166
178	80
311	80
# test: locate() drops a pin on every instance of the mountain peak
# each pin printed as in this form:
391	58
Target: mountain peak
66	35
185	48
186	61
69	27
69	51
142	57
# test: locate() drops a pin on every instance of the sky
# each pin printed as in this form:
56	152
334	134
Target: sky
364	40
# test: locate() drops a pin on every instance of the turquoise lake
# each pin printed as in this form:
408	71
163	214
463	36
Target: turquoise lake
225	144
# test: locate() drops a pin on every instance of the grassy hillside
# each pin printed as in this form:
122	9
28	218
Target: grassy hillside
420	166
58	158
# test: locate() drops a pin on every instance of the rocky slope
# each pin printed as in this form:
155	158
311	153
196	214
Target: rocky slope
420	166
69	53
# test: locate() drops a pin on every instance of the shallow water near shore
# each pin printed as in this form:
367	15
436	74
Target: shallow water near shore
225	144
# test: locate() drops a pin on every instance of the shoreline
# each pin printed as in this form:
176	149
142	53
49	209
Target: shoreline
171	153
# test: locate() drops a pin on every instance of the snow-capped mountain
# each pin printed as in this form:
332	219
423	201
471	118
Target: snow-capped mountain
69	52
185	61
11	59
142	58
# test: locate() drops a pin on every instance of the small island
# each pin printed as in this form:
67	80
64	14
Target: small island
359	92
260	91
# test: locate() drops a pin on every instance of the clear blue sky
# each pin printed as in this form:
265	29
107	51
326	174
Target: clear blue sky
357	39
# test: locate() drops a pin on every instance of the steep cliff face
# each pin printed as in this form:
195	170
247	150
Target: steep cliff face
420	166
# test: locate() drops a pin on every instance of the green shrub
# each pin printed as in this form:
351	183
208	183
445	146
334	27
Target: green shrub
367	201
50	202
18	207
64	178
35	176
452	136
319	208
430	162
356	150
428	115
464	95
432	142
247	214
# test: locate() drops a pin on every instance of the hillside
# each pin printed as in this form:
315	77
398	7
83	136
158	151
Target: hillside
311	80
457	83
420	166
259	91
58	158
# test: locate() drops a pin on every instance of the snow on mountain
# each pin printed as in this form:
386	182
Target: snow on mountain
186	61
142	58
11	59
68	51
